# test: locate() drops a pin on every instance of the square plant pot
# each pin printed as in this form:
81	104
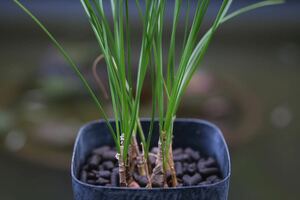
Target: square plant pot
197	134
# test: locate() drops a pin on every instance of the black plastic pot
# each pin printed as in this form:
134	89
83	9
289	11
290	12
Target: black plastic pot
197	134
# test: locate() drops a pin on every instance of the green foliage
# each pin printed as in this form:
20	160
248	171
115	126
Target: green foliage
168	84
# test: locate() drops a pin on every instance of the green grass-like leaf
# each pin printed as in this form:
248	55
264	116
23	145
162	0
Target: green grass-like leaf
168	82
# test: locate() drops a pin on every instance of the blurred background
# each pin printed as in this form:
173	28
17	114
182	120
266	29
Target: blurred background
248	84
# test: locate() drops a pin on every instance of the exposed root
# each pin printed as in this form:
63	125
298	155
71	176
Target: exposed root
152	154
133	154
171	167
141	163
122	167
158	175
146	167
138	157
137	163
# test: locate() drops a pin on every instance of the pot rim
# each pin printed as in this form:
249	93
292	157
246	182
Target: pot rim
195	120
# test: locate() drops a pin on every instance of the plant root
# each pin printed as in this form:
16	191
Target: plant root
141	163
122	167
172	168
158	174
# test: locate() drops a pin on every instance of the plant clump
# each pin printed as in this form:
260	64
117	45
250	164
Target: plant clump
170	71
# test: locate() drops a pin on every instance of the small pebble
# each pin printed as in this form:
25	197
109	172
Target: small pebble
108	165
91	176
204	183
185	166
109	155
186	180
94	161
209	171
154	150
191	180
177	151
92	182
217	180
104	174
191	169
210	162
181	157
102	181
83	176
178	169
142	181
189	151
195	156
213	179
196	179
114	179
152	159
100	168
201	164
